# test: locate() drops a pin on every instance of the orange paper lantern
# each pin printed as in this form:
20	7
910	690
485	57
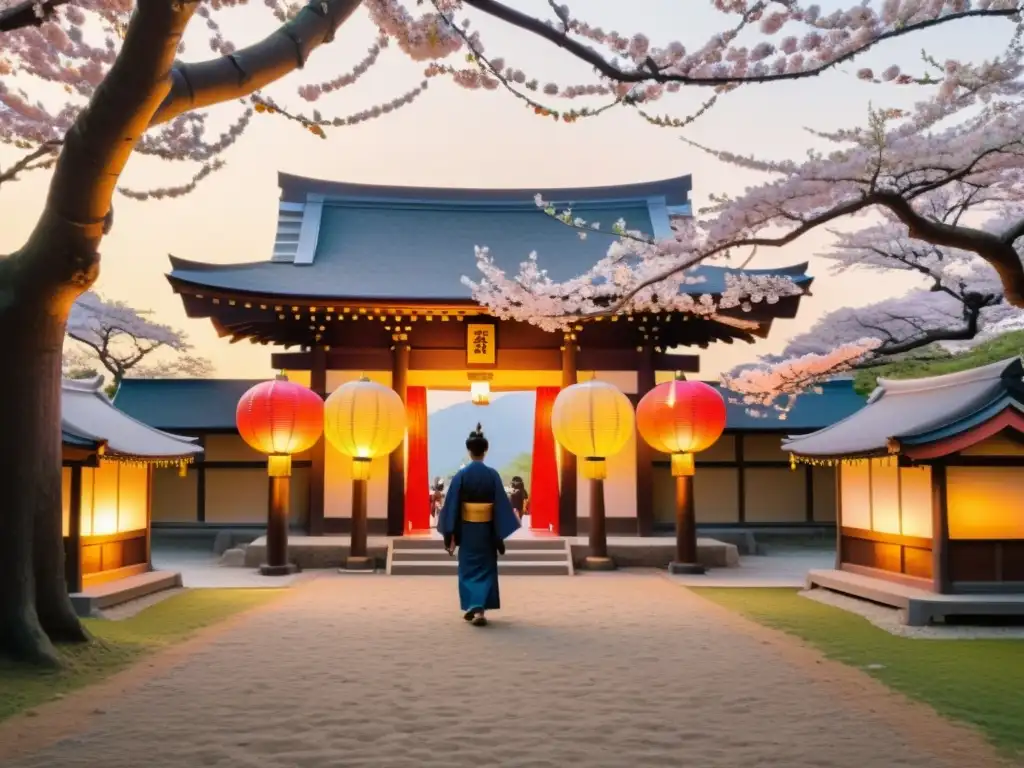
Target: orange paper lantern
280	418
681	418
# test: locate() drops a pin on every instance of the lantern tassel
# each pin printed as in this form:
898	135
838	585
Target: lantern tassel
682	465
595	468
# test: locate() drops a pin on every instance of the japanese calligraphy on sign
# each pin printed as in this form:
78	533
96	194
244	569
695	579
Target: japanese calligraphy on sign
480	347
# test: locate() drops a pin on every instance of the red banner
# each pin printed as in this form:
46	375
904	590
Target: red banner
417	478
544	475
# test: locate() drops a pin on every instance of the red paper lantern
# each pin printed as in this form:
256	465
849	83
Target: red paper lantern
681	418
280	418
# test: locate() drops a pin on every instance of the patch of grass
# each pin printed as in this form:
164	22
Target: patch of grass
118	644
978	682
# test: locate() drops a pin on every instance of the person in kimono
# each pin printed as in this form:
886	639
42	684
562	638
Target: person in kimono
519	497
476	518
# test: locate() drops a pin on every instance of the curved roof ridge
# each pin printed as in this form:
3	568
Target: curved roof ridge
87	385
294	188
958	378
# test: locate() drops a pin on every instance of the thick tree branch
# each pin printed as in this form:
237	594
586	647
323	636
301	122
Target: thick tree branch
652	74
1014	233
245	71
30	13
992	248
966	332
103	137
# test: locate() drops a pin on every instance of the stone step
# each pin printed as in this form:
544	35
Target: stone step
92	600
517	555
407	543
505	568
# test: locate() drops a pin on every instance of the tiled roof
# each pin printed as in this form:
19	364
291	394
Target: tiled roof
88	418
349	241
912	410
183	405
209	404
810	411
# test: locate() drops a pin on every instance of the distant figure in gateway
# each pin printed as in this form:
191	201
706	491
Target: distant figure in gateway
477	517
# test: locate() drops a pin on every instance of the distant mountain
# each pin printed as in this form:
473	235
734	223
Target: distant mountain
507	422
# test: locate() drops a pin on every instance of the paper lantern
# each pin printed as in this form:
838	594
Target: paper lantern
593	421
280	418
681	418
364	420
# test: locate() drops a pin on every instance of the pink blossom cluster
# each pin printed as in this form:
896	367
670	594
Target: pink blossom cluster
313	91
769	384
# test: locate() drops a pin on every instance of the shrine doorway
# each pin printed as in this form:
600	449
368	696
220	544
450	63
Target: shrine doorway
517	423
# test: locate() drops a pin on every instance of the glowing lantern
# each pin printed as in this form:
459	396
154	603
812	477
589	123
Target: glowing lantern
363	420
279	418
593	421
682	418
480	388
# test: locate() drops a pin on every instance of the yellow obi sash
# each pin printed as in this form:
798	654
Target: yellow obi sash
477	513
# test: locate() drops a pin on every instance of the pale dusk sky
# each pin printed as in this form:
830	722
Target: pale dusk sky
451	137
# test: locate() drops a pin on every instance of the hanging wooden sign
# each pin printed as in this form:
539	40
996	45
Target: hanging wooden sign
480	344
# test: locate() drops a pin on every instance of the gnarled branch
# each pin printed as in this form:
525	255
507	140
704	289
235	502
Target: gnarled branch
652	74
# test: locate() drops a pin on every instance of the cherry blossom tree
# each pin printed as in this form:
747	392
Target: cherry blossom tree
961	302
966	134
122	340
107	81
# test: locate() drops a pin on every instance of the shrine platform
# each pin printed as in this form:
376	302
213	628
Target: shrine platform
917	607
91	601
312	552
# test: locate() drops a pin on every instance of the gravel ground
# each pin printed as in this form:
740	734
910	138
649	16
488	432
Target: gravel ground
603	670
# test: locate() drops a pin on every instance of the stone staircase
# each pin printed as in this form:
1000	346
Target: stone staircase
409	556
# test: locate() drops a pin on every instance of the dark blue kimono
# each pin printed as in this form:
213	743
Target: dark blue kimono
479	542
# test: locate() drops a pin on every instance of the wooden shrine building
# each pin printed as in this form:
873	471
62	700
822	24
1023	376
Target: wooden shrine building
366	279
107	472
931	473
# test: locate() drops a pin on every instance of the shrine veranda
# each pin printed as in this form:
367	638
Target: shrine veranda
366	280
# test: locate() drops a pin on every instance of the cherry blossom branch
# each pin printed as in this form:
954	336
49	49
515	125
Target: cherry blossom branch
317	122
651	72
178	191
41	157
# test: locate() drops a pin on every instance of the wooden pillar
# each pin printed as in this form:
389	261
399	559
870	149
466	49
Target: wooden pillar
318	454
279	503
73	553
199	467
644	453
396	462
686	561
941	581
149	516
567	485
839	516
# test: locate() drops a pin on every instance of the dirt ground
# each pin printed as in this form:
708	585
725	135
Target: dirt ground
601	670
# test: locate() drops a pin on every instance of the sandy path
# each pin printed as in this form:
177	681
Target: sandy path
602	670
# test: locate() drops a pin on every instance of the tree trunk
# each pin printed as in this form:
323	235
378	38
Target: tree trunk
32	320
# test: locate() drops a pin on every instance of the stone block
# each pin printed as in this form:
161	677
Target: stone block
233	558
